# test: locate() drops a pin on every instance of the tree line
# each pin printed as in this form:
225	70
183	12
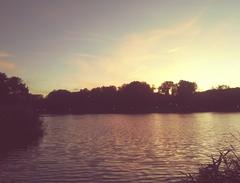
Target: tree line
20	124
134	97
140	97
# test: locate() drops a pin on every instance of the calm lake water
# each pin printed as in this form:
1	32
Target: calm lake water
120	148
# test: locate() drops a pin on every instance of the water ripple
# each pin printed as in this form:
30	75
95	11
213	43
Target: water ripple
120	148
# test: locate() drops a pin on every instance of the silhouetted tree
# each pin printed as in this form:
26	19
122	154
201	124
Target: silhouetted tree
17	88
218	100
3	86
138	97
186	88
167	88
135	96
59	101
222	87
81	101
19	121
12	89
103	99
184	96
136	88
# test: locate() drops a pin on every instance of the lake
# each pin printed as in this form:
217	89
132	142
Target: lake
120	148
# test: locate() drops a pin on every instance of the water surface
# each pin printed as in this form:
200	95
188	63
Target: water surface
120	148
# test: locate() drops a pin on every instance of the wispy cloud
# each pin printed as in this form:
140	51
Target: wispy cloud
5	64
86	55
4	54
136	56
174	50
77	35
185	50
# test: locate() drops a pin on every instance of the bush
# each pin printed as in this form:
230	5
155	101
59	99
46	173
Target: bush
19	126
225	168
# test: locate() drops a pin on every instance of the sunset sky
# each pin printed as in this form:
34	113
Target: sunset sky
72	44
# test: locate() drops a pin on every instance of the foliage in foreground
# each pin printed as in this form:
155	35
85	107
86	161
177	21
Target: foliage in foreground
19	126
19	121
225	168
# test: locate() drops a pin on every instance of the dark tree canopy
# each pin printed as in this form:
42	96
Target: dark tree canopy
167	88
19	121
134	97
186	88
12	89
139	97
136	88
222	87
59	98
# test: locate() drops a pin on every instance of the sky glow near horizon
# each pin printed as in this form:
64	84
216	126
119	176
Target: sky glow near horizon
62	44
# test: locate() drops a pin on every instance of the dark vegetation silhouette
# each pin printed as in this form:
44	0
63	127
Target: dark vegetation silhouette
134	97
140	97
224	168
19	121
